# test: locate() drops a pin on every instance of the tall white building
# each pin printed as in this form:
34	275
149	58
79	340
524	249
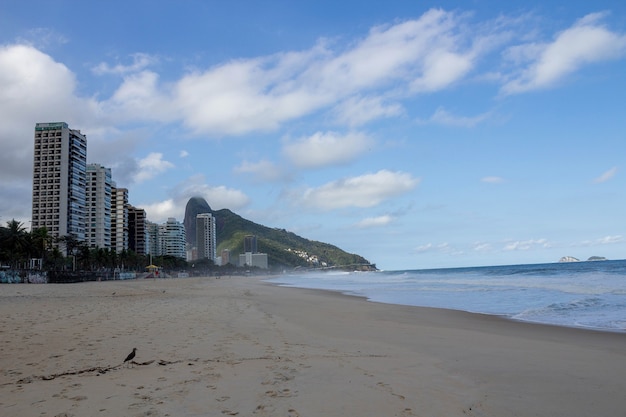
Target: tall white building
59	180
206	237
172	238
98	197
152	238
119	219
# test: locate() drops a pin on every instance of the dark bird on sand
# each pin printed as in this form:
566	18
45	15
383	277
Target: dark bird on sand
130	356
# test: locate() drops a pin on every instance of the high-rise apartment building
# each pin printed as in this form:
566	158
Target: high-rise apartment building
251	255
137	231
206	237
59	180
98	198
119	219
172	238
153	240
250	244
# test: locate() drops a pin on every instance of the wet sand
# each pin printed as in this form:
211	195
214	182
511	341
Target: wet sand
240	346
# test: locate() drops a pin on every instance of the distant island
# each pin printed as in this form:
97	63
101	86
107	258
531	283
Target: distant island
572	259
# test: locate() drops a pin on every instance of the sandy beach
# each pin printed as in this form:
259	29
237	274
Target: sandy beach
240	346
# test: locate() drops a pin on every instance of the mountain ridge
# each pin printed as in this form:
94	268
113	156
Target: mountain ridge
284	249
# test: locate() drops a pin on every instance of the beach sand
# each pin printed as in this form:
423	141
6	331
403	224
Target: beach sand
240	346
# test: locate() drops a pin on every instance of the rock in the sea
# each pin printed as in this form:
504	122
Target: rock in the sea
569	259
597	258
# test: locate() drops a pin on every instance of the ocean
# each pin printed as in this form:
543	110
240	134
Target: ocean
578	294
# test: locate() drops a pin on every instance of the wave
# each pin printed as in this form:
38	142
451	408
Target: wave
568	311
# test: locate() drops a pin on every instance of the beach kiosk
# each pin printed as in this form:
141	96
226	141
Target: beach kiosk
153	271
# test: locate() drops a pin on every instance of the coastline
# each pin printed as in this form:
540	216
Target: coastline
502	317
244	346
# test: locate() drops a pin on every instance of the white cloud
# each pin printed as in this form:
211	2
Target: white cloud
357	111
151	166
493	180
444	248
329	148
139	97
424	248
160	211
364	191
610	239
43	37
443	117
375	221
425	54
140	62
606	240
586	42
218	197
481	246
606	176
526	244
29	82
183	154
442	68
263	170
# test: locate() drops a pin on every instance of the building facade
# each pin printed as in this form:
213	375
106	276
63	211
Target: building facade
206	237
137	230
249	259
119	219
98	198
250	244
251	256
153	239
59	180
172	239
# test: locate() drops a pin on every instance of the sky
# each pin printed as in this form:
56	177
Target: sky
416	134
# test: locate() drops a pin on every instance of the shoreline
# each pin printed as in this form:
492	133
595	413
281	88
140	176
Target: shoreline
499	316
244	346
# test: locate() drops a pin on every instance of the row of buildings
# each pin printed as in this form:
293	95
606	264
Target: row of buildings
73	198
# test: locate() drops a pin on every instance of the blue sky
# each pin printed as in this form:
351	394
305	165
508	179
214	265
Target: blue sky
417	134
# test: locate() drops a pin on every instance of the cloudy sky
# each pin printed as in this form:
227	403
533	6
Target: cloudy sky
417	134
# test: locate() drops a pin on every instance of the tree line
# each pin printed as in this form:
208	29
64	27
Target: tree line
37	249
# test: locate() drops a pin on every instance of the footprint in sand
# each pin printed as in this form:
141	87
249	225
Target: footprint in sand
284	393
78	398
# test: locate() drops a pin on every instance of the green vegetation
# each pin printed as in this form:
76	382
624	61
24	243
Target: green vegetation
284	249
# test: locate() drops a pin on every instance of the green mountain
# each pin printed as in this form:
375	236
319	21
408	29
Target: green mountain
284	249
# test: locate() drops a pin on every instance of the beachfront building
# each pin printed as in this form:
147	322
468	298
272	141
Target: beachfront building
224	257
119	219
171	237
59	180
251	257
98	203
206	237
250	244
153	241
137	230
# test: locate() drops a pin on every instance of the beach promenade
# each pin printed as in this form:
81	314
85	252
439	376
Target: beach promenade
240	346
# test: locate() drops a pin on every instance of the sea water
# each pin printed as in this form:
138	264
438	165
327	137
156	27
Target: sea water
577	294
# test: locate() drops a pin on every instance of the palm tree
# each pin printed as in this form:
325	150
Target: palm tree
41	240
72	247
15	242
57	257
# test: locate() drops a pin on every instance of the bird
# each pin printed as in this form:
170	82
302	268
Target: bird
130	356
